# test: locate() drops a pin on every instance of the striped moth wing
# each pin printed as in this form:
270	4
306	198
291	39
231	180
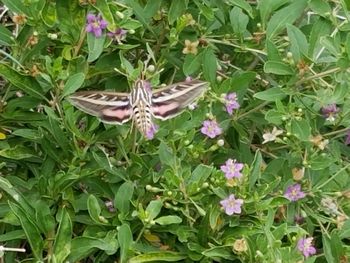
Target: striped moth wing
109	107
170	101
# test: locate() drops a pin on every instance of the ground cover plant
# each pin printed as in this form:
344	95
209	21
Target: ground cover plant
256	171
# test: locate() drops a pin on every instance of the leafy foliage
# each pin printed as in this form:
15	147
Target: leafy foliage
74	189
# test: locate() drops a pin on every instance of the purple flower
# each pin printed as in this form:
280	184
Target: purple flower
231	102
118	35
232	169
211	128
305	246
95	24
330	111
147	85
347	140
151	131
294	193
232	205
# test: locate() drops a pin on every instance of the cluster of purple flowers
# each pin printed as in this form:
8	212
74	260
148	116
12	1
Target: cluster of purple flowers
96	25
232	169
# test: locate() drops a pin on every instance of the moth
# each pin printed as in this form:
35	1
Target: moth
141	105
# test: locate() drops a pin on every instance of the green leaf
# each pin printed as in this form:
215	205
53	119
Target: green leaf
176	9
28	134
140	14
125	240
153	209
94	209
320	7
205	10
57	132
18	152
256	170
239	21
267	7
166	155
26	83
126	64
347	45
17	7
167	256
214	216
320	28
63	237
271	94
82	247
151	8
200	174
71	19
209	65
218	252
330	44
274	117
320	162
278	68
299	46
272	51
17	196
31	230
284	16
327	249
123	197
192	64
104	9
12	235
244	5
167	220
73	83
6	38
301	129
95	46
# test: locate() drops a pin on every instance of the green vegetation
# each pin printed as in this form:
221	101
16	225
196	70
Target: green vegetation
256	171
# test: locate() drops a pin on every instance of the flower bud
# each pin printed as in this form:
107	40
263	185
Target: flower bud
52	36
151	68
220	142
120	15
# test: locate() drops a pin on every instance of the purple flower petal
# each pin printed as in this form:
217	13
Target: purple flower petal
294	193
211	128
232	205
232	169
231	102
89	28
305	246
95	24
103	24
91	18
151	132
97	32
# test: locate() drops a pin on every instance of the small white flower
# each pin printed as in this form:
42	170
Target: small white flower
271	136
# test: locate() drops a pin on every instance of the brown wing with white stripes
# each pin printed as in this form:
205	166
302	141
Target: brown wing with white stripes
170	101
109	107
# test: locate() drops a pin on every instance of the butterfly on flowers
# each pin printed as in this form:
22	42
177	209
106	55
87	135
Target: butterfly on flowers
141	104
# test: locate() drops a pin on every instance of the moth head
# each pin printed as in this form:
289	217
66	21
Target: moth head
143	84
